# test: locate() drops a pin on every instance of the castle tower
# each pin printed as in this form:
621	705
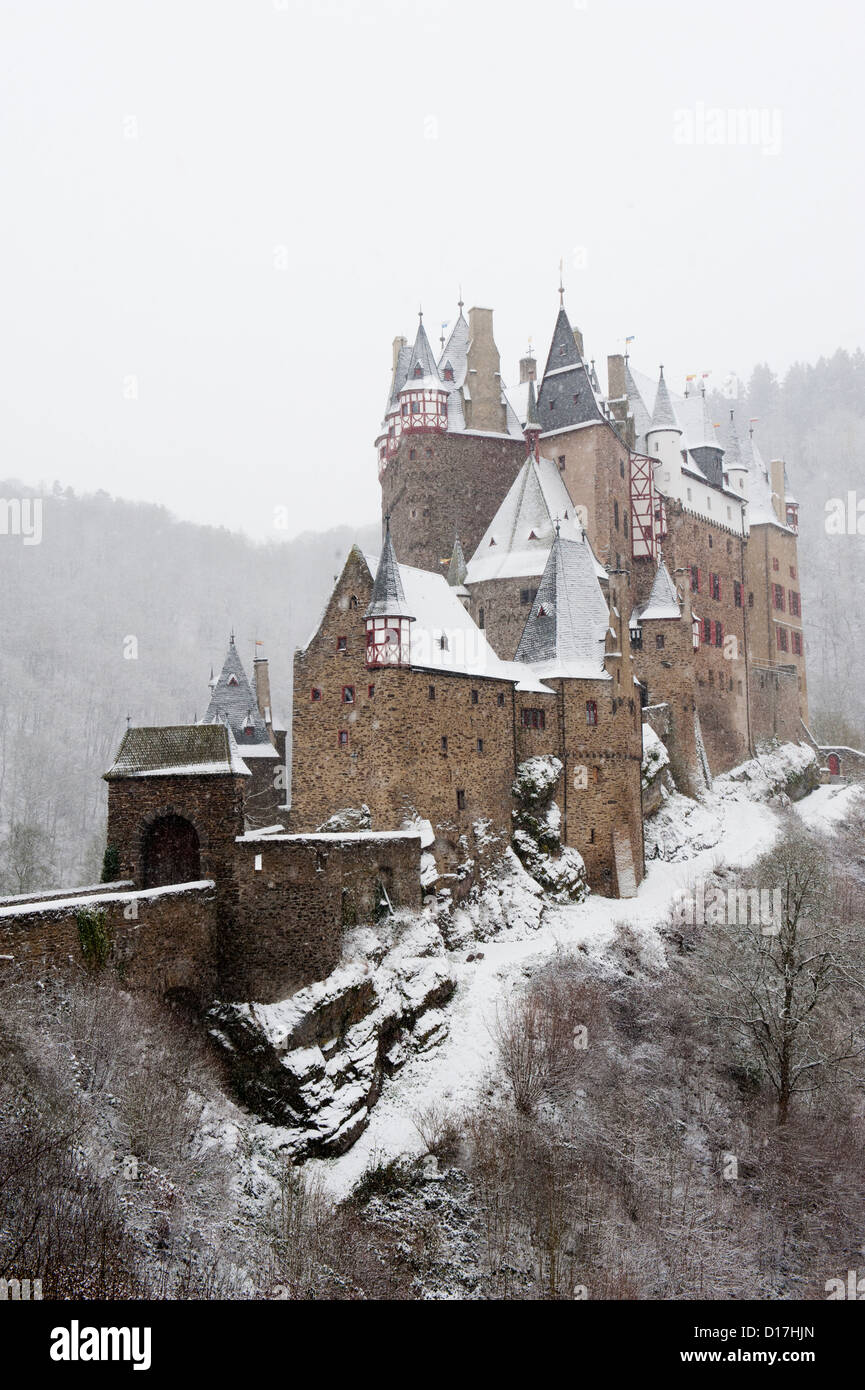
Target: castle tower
450	445
735	464
388	621
664	442
532	427
249	717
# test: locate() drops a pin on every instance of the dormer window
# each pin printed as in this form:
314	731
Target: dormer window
232	680
418	370
532	536
449	373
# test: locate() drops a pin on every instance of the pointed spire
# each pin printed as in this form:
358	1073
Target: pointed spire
388	595
663	601
566	629
733	449
566	396
232	699
664	416
421	355
457	568
532	428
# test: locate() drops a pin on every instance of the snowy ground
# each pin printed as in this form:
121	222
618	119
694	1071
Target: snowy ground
726	827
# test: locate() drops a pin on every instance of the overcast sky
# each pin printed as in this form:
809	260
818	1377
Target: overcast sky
218	213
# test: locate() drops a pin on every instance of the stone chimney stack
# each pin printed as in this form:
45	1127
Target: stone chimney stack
779	491
578	339
528	369
484	409
398	344
261	672
616	389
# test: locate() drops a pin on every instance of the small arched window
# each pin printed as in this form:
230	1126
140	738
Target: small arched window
352	603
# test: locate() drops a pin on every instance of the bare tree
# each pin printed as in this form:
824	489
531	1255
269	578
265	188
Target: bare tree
790	993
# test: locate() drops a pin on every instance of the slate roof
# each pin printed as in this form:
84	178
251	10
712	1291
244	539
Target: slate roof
733	449
663	415
388	595
421	356
519	537
565	634
233	700
457	566
178	750
566	395
455	352
663	601
642	417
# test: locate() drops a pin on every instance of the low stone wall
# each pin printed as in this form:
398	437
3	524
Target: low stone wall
293	894
160	938
774	699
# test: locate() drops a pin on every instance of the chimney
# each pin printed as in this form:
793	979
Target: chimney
261	673
528	369
484	409
578	339
779	491
398	344
616	389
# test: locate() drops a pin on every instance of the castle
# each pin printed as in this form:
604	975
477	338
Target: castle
560	568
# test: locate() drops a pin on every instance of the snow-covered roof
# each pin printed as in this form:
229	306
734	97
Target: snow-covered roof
388	598
183	750
443	635
663	414
518	540
663	601
761	512
232	700
455	353
565	634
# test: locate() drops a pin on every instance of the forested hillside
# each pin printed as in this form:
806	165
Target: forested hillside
814	418
122	610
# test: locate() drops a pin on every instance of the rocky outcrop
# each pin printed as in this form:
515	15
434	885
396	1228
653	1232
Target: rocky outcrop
313	1064
537	831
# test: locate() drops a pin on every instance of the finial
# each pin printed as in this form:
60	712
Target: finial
387	523
558	527
128	720
561	285
442	338
460	300
662	371
420	313
231	638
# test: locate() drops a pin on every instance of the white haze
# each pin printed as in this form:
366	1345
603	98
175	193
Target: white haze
163	160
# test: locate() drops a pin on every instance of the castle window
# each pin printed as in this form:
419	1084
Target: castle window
659	641
415	407
596	774
750	600
474	697
797	643
712	678
715	586
370	690
444	743
695	580
775	562
738	687
561	463
729	544
737	593
707	632
792	571
592	832
315	694
480	745
348	694
343	738
449	373
431	692
532	536
795	605
533	718
625	524
404	408
352	603
482	619
341	644
621	468
719	634
782	638
412	453
616	515
461	799
232	680
778	597
500	699
418	371
428	453
636	635
591	712
527	597
443	640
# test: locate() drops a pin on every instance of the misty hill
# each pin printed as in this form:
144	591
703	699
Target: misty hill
814	418
123	610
